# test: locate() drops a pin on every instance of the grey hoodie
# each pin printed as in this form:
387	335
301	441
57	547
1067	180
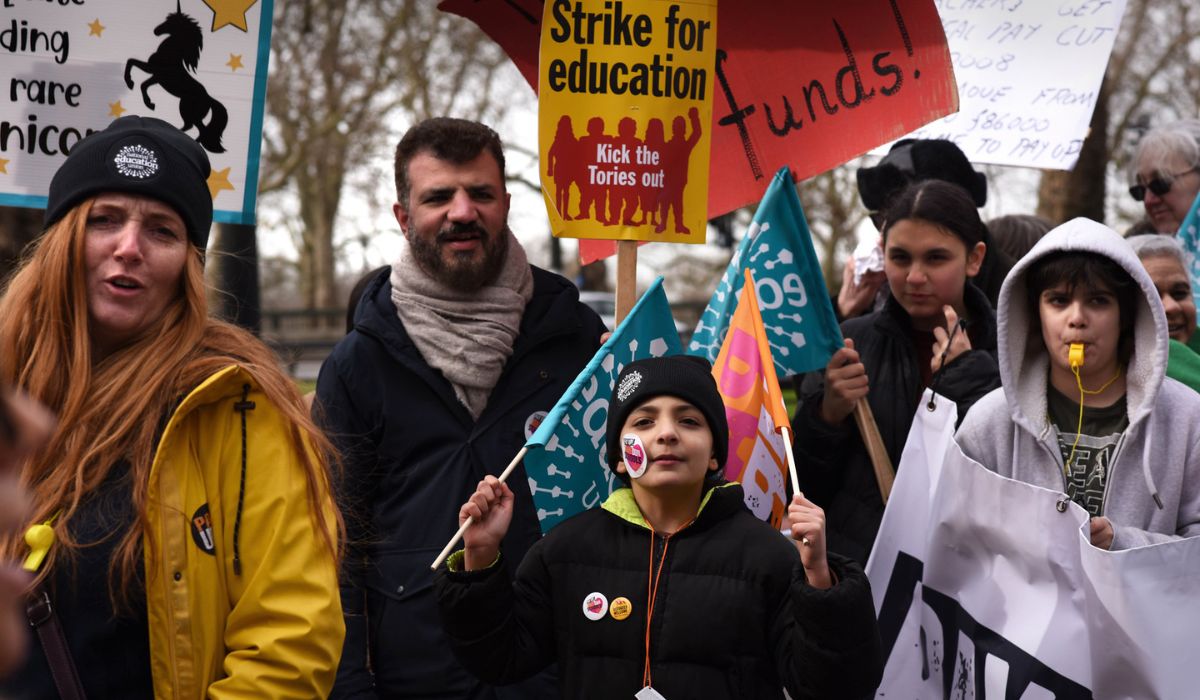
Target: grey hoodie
1153	490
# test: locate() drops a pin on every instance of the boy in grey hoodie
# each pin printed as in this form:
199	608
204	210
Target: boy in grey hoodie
1108	428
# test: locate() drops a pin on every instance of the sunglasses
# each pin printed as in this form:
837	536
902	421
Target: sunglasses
1160	186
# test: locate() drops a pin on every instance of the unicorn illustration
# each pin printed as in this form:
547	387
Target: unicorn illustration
171	66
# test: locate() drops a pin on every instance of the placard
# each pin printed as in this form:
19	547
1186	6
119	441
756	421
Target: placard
72	66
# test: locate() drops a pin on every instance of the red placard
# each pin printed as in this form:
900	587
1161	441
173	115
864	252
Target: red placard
809	85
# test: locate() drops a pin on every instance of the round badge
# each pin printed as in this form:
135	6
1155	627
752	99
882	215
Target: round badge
533	422
633	453
620	608
594	606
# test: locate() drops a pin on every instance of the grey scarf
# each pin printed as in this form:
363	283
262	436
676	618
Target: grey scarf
468	336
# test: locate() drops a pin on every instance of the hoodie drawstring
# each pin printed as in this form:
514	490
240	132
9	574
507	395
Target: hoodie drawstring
1150	485
241	407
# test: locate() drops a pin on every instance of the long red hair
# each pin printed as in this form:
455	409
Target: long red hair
111	409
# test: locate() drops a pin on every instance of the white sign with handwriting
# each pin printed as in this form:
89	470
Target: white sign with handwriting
1028	74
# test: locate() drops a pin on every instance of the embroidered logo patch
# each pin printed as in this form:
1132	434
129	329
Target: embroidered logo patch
202	531
628	385
533	422
136	161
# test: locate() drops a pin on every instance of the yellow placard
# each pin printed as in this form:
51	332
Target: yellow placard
624	115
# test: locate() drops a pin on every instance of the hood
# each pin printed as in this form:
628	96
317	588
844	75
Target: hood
1024	364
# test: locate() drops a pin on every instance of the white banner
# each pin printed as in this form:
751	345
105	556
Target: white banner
988	588
1028	74
68	68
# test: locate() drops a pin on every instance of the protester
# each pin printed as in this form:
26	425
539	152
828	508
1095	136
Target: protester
1117	436
1165	173
1164	260
917	160
934	330
456	355
1015	234
195	541
723	608
25	425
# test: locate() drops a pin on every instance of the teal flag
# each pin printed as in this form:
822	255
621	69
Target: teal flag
1189	236
796	311
565	460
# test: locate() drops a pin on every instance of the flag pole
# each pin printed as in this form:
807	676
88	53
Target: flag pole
869	430
791	458
467	523
626	279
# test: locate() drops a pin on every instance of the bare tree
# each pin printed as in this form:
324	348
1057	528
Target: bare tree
834	212
345	76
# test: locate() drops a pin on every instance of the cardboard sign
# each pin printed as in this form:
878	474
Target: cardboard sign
625	103
70	68
1028	77
805	85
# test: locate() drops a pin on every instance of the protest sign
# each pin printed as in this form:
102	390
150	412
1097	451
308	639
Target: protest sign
625	100
73	67
796	311
566	460
808	85
1189	237
754	409
988	587
1028	77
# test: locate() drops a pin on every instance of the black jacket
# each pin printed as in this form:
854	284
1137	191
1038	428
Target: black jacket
733	616
412	456
832	462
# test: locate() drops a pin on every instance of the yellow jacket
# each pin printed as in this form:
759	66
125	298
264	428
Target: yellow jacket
275	630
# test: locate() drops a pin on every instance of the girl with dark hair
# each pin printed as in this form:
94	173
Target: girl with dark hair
935	329
183	538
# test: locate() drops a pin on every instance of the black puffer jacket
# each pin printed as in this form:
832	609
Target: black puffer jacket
733	616
832	462
412	456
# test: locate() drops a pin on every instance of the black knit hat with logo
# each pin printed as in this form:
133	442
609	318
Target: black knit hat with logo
682	376
138	155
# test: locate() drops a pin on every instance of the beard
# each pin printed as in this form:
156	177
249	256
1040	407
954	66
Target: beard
464	271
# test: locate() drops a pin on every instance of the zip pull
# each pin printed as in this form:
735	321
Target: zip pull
40	538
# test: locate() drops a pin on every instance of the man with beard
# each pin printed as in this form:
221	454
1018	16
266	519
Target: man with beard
457	353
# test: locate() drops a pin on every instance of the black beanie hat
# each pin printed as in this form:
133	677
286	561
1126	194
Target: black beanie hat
683	376
914	160
138	155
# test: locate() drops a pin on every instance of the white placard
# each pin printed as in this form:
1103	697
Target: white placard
1028	74
64	67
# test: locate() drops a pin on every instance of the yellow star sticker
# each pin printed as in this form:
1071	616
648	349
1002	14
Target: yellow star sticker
95	28
115	109
235	61
229	12
218	180
3	166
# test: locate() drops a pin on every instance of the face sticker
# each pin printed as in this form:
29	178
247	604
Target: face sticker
533	422
202	531
620	608
595	605
633	453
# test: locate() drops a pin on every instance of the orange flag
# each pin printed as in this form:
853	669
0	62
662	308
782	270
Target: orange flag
754	407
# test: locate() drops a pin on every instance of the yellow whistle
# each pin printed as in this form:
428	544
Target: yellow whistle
1075	355
40	538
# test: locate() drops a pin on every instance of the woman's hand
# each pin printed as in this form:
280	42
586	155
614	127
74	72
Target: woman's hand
845	383
855	299
491	508
807	522
958	343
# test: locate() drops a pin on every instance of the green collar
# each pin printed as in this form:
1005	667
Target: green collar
622	504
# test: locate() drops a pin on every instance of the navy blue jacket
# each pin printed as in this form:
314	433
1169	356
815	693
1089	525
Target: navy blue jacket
412	455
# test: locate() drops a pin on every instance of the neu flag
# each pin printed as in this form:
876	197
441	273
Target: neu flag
565	462
754	407
802	331
1189	236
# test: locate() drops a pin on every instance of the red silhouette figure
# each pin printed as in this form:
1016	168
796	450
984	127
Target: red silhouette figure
676	154
624	198
566	165
592	146
650	173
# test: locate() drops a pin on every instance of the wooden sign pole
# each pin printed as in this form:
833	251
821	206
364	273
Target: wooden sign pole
626	278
